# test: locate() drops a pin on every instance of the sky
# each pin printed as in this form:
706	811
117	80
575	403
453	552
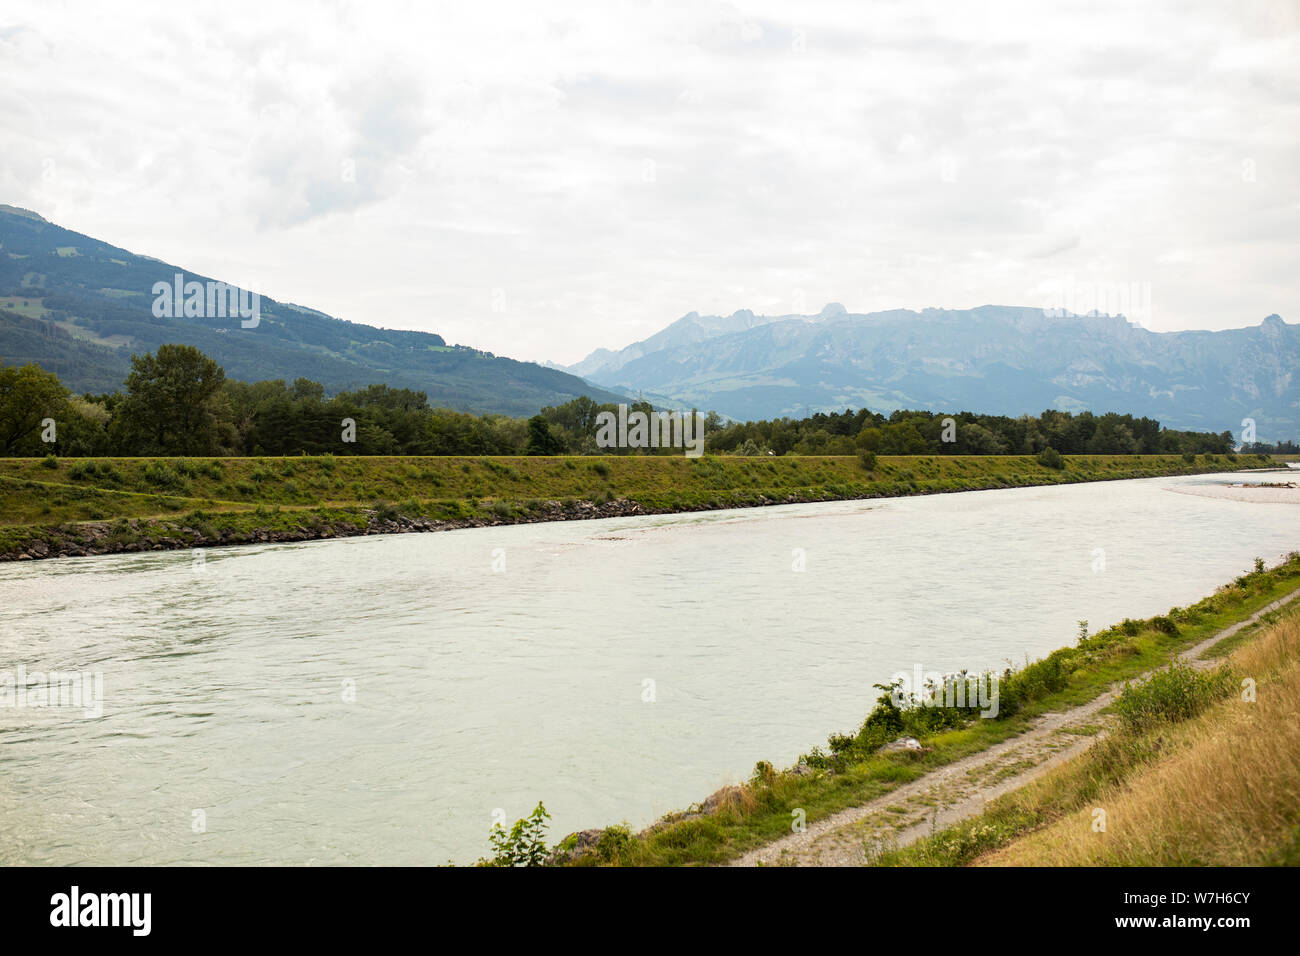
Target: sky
539	180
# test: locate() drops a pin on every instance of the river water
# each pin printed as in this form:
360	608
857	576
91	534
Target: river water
376	700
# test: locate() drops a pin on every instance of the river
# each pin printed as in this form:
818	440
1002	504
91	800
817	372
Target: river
376	700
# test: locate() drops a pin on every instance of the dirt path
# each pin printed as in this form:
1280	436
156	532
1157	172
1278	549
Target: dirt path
962	788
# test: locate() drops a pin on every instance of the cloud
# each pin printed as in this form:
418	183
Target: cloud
543	182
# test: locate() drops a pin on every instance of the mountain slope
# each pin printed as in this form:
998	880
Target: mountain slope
79	307
994	359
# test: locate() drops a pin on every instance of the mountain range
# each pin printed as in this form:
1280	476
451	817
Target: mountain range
994	359
80	307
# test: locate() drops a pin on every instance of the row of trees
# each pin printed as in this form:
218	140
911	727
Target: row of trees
178	401
964	433
1262	448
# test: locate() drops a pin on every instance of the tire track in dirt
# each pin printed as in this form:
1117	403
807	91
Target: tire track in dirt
962	788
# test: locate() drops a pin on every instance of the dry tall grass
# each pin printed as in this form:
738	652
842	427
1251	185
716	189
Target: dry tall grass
1228	793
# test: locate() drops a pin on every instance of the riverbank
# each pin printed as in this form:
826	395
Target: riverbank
857	804
1197	766
52	508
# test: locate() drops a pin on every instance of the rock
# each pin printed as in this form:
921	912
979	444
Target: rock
902	743
24	557
582	842
38	549
725	797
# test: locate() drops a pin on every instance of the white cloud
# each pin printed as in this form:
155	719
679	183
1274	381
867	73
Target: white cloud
540	183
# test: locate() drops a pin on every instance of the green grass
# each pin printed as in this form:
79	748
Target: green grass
83	489
47	499
32	307
762	811
1156	724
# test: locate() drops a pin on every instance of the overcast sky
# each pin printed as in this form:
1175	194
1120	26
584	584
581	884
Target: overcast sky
539	183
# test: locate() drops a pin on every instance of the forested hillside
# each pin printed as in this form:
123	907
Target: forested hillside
81	307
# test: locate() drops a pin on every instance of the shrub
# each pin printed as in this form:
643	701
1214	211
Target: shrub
524	844
102	470
159	475
613	843
49	461
867	460
1049	457
1176	693
1164	624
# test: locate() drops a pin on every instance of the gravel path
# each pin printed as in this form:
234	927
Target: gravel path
960	789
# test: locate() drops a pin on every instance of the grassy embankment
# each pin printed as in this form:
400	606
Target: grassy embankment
759	811
1191	774
200	501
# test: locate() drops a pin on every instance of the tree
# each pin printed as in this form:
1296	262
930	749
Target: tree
1112	437
28	396
170	406
541	441
978	440
304	389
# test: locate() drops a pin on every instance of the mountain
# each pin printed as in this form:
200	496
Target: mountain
993	359
80	307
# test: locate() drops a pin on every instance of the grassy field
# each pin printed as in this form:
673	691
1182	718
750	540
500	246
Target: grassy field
1193	774
758	811
48	492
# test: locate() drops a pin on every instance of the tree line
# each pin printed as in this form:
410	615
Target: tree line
906	432
178	401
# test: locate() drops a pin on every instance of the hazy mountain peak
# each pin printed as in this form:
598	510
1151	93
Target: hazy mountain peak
19	211
1007	360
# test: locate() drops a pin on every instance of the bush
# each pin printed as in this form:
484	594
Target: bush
160	475
103	471
1164	624
614	842
867	460
1176	693
49	461
524	844
1049	457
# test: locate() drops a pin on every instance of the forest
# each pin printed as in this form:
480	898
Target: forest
177	401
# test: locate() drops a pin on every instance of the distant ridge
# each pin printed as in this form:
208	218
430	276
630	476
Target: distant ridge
80	307
994	359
